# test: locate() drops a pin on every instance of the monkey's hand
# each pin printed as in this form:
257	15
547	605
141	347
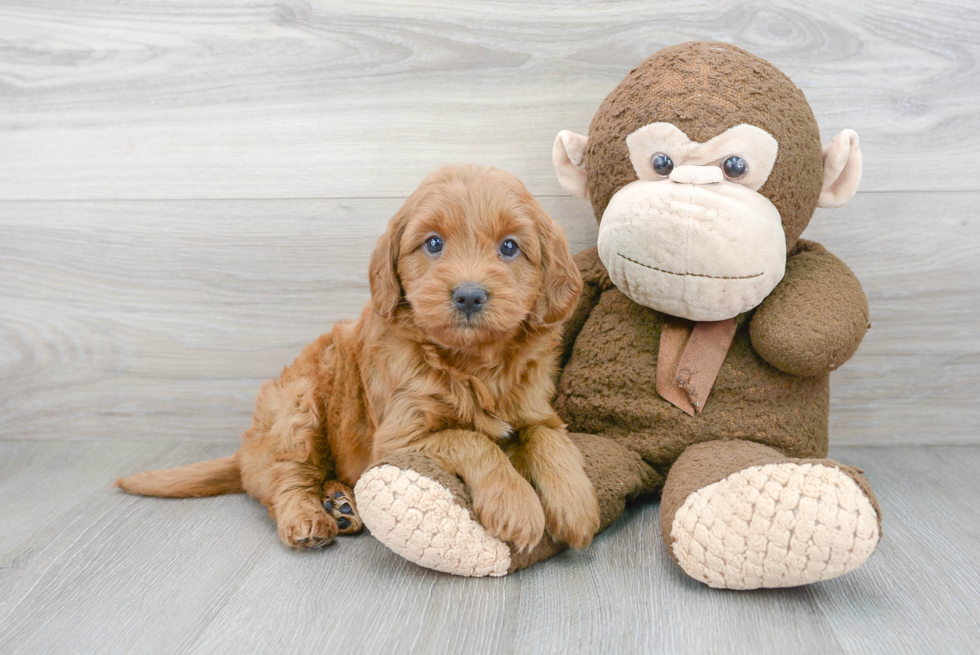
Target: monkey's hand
815	318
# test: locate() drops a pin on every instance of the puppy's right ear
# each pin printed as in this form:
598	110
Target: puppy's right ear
562	284
386	289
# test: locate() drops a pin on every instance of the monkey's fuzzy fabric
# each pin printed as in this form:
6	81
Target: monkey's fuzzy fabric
424	514
704	89
748	498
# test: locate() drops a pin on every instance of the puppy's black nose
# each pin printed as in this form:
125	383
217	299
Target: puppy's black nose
469	298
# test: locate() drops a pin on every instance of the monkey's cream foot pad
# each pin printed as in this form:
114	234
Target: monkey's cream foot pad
776	525
424	522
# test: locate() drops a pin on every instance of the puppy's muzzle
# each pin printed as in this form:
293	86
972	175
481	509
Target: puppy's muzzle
469	298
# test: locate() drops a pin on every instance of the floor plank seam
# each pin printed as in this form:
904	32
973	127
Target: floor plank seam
191	645
125	502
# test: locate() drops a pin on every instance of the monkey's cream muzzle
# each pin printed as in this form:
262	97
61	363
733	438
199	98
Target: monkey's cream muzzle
693	243
705	252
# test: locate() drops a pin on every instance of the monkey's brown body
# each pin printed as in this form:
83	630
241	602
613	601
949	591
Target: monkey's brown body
608	384
608	387
697	361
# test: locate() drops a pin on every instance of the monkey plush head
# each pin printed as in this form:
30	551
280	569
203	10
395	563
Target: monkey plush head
703	167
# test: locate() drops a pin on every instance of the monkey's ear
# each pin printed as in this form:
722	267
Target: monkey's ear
386	289
568	156
841	170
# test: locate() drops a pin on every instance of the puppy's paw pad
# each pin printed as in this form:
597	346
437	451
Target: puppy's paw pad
338	502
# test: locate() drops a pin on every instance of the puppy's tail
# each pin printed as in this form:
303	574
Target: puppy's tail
219	476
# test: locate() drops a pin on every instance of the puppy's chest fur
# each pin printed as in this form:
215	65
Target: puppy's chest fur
472	404
497	396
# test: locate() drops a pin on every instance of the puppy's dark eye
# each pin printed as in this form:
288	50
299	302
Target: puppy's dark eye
433	244
509	249
662	164
735	167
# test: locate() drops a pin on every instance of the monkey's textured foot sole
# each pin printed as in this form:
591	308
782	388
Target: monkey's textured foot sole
776	525
421	520
338	501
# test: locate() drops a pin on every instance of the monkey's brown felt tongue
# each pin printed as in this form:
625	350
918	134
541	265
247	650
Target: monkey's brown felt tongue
690	356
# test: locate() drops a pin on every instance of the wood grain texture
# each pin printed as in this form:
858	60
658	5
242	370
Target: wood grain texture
152	319
87	559
916	376
297	99
114	573
124	320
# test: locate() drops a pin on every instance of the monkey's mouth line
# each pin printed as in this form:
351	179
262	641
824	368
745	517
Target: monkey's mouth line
712	277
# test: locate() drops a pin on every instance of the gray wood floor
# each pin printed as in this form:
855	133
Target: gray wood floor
85	568
189	191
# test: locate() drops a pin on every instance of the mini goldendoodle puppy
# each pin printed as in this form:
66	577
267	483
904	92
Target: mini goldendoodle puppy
454	357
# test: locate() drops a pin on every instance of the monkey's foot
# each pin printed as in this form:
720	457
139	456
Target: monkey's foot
338	501
428	520
775	525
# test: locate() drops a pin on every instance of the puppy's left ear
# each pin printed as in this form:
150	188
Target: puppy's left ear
562	280
386	288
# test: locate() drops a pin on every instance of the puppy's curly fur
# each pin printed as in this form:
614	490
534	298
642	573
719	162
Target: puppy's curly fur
417	373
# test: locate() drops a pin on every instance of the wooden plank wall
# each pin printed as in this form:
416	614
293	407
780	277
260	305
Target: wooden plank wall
189	190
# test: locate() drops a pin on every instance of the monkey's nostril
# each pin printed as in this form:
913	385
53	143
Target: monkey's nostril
469	298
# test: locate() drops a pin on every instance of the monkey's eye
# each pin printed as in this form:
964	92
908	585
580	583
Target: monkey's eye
433	244
735	167
509	249
662	164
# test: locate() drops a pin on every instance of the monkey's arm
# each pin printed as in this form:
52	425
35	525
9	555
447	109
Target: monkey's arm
595	281
815	318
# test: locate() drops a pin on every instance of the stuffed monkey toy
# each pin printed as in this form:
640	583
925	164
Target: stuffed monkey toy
697	362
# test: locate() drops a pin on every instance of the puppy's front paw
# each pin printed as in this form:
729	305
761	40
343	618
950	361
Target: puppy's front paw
571	510
303	524
508	507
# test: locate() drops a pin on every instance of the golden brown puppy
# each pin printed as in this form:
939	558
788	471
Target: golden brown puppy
453	357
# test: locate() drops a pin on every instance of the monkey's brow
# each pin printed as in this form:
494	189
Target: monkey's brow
713	277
